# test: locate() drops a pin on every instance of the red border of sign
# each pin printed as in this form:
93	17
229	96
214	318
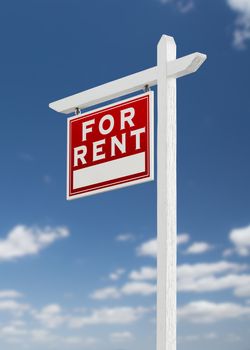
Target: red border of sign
137	178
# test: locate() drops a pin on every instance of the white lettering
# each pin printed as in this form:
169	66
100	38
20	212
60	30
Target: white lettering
126	117
85	128
97	149
79	154
121	145
137	133
109	118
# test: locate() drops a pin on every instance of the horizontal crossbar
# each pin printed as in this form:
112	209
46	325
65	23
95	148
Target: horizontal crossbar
129	84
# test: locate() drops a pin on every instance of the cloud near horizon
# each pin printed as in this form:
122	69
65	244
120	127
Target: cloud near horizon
203	311
23	241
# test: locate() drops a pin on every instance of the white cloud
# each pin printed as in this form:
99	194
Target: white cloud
211	335
74	340
149	248
183	6
10	294
198	248
232	338
243	288
13	307
241	32
106	293
189	338
197	337
116	275
211	283
183	238
40	335
191	271
242	24
121	337
145	273
118	315
26	336
125	237
50	316
240	237
23	240
138	288
208	278
227	252
12	331
208	312
194	278
130	288
19	333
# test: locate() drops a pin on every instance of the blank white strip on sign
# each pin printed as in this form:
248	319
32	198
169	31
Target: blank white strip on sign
109	171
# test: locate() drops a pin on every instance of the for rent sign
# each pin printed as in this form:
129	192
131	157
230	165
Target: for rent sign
111	147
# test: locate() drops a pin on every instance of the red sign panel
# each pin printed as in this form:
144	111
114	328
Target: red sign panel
111	147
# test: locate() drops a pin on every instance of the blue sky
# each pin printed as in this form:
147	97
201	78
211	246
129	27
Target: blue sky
81	274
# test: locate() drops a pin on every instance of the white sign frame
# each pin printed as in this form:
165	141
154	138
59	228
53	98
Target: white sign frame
150	94
163	75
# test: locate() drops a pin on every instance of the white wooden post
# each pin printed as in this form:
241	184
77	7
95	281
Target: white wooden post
166	198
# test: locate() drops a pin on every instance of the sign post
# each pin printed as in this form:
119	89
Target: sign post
166	198
163	75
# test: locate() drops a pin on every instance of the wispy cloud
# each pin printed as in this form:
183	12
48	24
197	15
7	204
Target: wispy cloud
125	237
80	341
199	248
14	307
115	316
197	337
198	278
194	278
22	241
240	237
212	277
242	23
145	273
10	294
149	248
203	311
239	283
241	33
191	271
183	6
121	337
106	293
130	288
17	332
116	275
138	288
183	238
50	316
